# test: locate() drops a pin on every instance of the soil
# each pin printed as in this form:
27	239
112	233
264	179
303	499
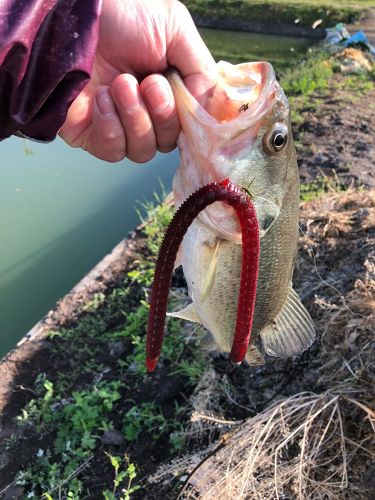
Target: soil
335	139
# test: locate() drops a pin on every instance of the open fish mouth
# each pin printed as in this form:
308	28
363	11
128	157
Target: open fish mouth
239	88
221	136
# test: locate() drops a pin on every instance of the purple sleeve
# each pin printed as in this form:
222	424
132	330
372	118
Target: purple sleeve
46	53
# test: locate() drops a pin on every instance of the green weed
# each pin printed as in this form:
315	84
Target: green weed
159	215
192	369
77	417
360	83
76	422
323	184
311	74
94	303
144	417
128	473
37	410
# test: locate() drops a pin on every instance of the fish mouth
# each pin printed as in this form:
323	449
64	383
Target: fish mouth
215	135
243	93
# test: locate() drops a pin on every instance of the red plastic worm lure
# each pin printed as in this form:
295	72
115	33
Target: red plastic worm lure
227	192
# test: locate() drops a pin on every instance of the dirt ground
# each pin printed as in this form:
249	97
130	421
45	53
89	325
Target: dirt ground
333	276
337	137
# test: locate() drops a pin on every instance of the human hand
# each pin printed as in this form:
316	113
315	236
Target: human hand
127	108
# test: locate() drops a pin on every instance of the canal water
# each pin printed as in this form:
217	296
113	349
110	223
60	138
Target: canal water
62	210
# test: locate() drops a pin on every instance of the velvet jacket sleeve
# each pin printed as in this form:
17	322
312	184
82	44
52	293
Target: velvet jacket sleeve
46	53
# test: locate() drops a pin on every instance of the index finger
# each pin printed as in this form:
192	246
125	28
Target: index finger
188	53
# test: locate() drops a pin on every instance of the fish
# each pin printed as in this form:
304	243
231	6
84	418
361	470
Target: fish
241	133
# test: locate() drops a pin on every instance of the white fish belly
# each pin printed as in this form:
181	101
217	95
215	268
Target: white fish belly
218	312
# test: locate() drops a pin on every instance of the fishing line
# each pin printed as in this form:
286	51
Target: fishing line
342	297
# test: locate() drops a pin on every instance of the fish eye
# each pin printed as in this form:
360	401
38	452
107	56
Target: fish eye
275	139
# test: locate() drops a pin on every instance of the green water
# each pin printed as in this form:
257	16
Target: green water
62	210
237	47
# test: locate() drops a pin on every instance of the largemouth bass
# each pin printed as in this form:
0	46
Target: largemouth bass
242	133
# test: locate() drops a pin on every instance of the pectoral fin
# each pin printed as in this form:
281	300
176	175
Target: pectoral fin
291	332
188	313
210	275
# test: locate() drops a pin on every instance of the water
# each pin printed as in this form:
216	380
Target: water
62	210
237	47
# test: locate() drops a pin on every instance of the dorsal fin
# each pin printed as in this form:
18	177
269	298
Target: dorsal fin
291	332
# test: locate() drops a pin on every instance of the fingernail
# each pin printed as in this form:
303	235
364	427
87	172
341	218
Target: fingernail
158	97
104	102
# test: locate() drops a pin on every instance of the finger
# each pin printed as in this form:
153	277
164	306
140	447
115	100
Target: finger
107	139
158	96
188	53
135	119
78	119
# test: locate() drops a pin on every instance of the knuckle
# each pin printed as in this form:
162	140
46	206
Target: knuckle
166	147
116	156
112	156
141	156
112	135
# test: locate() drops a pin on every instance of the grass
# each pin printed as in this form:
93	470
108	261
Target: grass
128	473
323	184
311	74
281	11
85	400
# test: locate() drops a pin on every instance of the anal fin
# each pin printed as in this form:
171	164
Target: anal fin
188	313
291	332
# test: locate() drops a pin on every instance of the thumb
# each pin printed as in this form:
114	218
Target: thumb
190	56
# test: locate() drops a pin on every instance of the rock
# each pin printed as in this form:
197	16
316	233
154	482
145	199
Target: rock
112	437
116	349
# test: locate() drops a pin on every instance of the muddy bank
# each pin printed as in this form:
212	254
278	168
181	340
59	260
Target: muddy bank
335	138
16	367
276	18
237	24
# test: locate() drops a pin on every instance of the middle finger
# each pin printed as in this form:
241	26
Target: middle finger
140	137
161	105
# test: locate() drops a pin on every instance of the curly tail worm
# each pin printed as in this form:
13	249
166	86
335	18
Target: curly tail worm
229	193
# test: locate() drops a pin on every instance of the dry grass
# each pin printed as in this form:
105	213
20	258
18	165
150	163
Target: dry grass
301	447
316	441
